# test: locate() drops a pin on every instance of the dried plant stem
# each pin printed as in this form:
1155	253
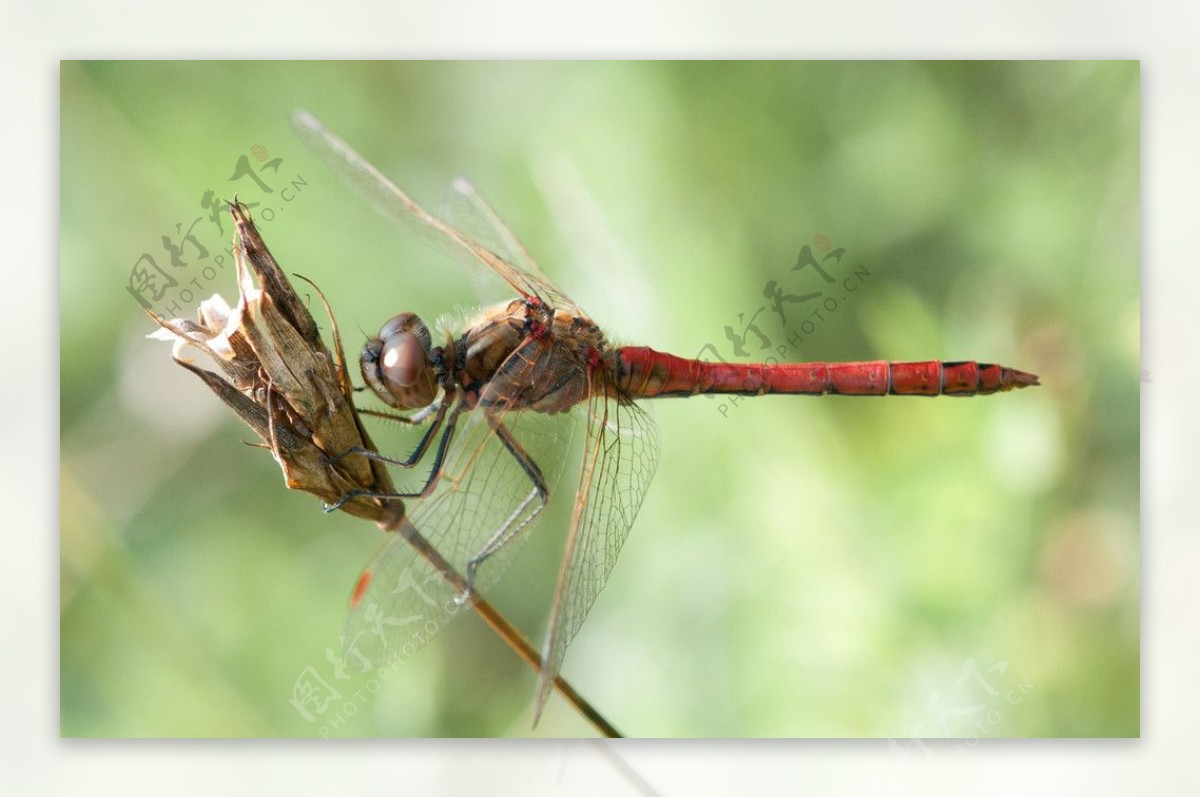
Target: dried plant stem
510	634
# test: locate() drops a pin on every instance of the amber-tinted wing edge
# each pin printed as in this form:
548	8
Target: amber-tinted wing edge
390	200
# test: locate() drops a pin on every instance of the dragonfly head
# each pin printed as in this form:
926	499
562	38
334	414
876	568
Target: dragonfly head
397	366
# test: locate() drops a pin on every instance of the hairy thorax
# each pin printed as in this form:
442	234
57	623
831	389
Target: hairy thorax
521	355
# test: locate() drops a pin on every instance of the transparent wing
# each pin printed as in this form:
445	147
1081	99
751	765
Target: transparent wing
468	211
401	602
389	200
619	459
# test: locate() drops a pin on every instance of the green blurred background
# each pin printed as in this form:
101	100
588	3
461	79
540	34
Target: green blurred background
801	567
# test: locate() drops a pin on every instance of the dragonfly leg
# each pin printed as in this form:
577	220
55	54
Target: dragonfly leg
413	419
435	472
522	516
438	411
439	415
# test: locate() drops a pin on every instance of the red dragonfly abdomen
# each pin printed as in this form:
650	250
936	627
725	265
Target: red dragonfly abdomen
645	372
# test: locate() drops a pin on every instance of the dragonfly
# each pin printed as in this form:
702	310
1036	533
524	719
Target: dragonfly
498	399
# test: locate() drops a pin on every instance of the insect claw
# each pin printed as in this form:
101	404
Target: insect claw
340	503
465	596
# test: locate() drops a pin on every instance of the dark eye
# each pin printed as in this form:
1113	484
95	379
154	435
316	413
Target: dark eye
401	360
406	322
397	366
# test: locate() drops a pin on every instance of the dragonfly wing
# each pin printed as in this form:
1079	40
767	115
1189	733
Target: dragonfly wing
468	211
398	605
619	459
400	601
389	200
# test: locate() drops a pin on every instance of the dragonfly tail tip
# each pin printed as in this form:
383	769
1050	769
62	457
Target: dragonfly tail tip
1019	379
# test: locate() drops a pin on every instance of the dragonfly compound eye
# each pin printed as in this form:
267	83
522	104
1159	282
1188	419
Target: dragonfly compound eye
405	370
401	360
406	322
